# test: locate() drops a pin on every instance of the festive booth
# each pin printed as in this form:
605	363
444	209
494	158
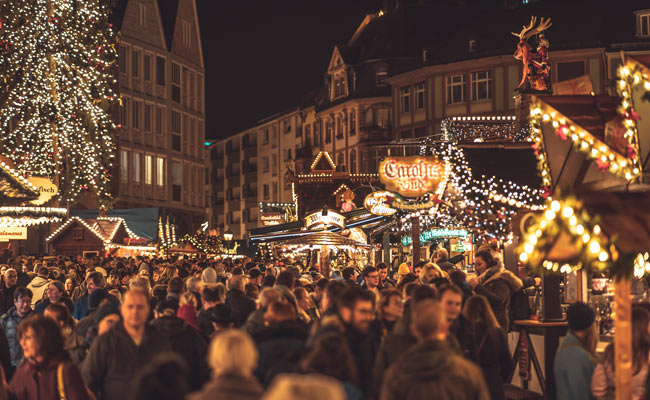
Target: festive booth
104	236
594	243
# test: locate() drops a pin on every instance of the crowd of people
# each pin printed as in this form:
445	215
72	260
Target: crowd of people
153	328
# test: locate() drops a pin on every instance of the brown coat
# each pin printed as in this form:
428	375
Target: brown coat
229	387
431	367
31	382
497	289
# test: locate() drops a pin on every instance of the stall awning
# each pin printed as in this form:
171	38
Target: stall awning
142	221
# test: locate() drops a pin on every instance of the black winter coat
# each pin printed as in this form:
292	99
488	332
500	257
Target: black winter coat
187	343
114	359
280	347
240	305
493	356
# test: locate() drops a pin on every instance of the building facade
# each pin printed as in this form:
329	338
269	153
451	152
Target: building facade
161	115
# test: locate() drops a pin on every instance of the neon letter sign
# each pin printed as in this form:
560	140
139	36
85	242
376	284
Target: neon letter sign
413	176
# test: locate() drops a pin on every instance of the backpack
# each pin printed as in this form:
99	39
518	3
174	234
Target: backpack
519	305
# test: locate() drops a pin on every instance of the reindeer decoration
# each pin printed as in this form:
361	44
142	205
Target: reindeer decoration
536	70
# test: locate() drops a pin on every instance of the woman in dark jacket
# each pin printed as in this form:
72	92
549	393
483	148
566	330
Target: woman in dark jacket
491	350
233	357
281	342
47	370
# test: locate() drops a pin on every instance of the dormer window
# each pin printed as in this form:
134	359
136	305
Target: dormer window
643	23
339	89
380	76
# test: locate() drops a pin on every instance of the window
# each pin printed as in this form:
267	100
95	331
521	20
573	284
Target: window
570	70
135	64
142	14
137	167
124	112
380	76
287	154
419	96
160	171
339	87
199	91
317	133
644	25
148	169
187	34
78	233
307	134
405	134
160	70
160	118
123	57
405	99
353	162
275	191
353	122
177	180
340	162
455	89
339	128
265	190
275	164
481	82
286	126
136	114
148	115
124	165
176	82
147	67
265	164
383	115
328	131
176	130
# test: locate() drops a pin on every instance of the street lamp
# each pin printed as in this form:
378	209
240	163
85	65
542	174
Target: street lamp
228	235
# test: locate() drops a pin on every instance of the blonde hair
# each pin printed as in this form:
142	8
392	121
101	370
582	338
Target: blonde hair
232	352
188	298
426	268
141	283
299	387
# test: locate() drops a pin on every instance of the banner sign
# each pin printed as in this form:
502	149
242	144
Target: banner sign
413	176
45	187
435	234
272	218
318	220
379	203
7	234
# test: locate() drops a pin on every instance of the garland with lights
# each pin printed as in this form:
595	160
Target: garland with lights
57	62
566	220
484	129
166	232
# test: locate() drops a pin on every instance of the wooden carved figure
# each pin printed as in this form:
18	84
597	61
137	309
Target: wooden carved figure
536	70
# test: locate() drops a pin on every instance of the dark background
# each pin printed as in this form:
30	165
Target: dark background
262	56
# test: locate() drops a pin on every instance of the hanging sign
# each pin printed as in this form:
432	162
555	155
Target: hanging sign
379	203
413	176
318	220
7	234
272	218
46	188
435	234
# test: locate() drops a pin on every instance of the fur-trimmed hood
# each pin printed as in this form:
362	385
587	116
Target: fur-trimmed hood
499	272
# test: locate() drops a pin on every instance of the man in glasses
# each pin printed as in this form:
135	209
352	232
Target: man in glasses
9	285
371	280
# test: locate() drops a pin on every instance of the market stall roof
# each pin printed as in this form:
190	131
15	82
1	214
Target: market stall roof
14	188
106	229
324	238
142	221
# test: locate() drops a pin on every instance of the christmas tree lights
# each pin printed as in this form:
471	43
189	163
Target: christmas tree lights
56	60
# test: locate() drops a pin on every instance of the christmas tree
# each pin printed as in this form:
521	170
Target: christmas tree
56	62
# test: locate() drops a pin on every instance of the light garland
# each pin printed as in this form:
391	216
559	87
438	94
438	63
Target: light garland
641	265
56	58
626	167
327	157
566	219
483	128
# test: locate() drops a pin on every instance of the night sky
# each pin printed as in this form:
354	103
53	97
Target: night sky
262	56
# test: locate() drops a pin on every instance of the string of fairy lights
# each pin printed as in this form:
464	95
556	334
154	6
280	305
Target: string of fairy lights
484	128
57	65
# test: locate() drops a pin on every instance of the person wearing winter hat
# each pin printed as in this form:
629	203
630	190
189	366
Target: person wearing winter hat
575	360
403	270
105	317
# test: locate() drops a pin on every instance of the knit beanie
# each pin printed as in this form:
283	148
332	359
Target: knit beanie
403	269
104	311
580	316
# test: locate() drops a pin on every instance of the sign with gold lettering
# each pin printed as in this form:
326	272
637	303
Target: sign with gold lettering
413	176
379	203
318	220
13	233
272	218
45	187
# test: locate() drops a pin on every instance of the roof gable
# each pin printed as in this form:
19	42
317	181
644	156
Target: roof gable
14	188
336	61
323	162
131	27
168	10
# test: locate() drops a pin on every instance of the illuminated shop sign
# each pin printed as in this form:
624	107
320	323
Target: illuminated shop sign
413	176
379	203
318	220
435	234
